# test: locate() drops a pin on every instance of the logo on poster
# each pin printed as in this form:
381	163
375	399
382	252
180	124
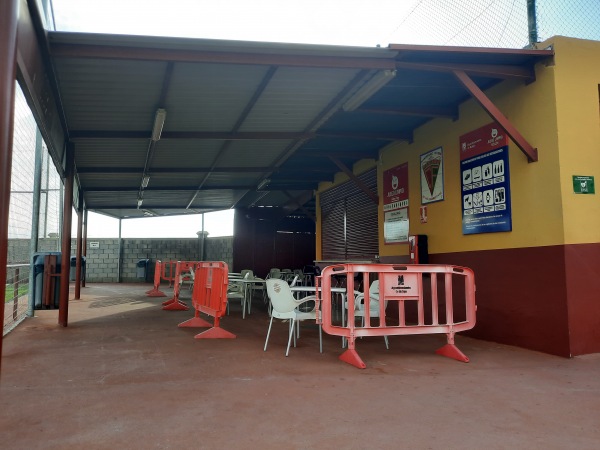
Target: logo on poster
495	137
394	182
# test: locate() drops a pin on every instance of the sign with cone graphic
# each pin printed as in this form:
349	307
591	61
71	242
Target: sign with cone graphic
432	176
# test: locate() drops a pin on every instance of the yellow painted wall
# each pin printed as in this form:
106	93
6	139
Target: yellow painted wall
577	76
559	115
535	190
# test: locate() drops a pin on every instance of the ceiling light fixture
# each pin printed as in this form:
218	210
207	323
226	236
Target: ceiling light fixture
367	90
139	203
263	184
159	122
145	181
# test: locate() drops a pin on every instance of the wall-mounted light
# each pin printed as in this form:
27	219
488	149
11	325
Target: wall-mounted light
263	184
367	90
159	122
145	181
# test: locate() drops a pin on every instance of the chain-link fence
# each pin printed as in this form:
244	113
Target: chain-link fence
21	208
494	23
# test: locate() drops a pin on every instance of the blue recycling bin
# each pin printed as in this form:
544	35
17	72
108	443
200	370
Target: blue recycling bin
37	262
73	268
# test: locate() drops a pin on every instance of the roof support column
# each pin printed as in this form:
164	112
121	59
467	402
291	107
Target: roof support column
78	277
84	243
9	14
529	151
35	214
63	304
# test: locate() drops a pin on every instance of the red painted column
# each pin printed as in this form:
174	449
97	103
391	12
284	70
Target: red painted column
84	243
9	14
79	241
63	305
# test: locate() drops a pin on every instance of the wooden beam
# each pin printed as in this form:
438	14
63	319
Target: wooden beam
529	151
363	187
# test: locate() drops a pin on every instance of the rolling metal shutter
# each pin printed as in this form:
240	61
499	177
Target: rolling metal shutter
349	220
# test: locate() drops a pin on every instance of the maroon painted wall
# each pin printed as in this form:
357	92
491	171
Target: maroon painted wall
263	240
521	296
542	298
582	264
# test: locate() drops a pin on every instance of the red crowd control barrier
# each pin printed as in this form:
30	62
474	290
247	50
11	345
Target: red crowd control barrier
210	297
183	269
427	298
155	291
169	271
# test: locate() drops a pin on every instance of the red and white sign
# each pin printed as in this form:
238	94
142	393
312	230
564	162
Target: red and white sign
482	140
395	204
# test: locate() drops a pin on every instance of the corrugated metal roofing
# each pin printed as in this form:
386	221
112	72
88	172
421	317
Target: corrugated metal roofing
244	114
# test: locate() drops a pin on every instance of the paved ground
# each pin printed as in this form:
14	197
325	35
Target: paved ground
123	375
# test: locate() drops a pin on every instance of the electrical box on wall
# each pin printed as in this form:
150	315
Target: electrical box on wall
418	251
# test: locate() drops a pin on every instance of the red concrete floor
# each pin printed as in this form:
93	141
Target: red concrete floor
123	375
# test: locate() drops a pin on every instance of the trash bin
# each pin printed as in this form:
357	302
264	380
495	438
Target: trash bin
73	268
142	269
37	262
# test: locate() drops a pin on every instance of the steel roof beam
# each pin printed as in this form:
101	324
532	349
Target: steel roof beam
288	184
173	170
446	112
501	71
165	135
529	151
218	57
363	187
239	122
298	203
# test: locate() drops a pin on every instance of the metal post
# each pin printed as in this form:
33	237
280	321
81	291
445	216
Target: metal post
63	307
84	243
120	259
35	217
47	192
532	23
9	14
61	212
79	241
203	255
16	294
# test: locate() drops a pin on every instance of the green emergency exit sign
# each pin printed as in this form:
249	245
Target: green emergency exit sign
583	184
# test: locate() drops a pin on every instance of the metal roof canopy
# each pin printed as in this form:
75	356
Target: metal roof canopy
251	124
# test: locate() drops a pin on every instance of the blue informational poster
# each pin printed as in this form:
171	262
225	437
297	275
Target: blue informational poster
486	192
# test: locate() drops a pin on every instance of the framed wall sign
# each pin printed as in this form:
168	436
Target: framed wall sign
432	176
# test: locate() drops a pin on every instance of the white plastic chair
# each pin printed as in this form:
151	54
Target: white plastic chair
359	306
300	275
285	306
237	290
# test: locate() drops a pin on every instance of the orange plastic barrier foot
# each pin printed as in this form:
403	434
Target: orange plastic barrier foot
195	322
451	351
215	333
351	357
155	293
176	306
171	300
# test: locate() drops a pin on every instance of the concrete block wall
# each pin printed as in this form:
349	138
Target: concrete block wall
102	263
220	249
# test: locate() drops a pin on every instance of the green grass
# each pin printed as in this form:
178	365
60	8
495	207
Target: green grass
8	295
